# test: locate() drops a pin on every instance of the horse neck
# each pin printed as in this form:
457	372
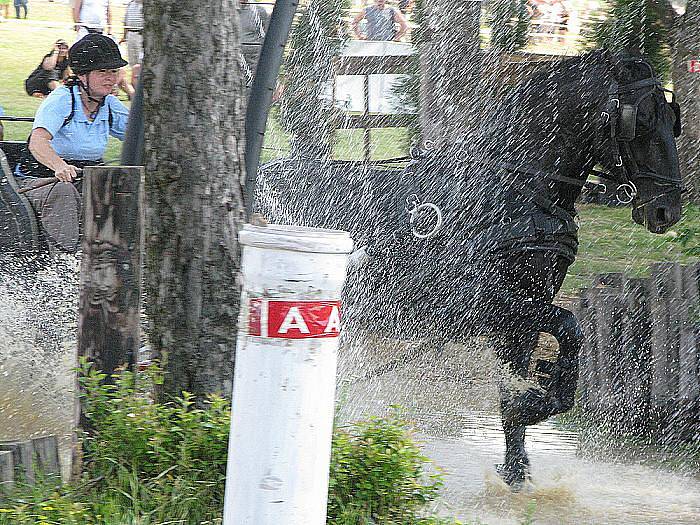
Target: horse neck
557	135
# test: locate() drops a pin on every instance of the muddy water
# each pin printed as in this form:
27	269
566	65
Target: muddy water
38	321
452	400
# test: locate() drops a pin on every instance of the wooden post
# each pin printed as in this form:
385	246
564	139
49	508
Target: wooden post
22	457
46	455
666	287
585	314
687	403
636	354
609	307
7	471
110	277
591	368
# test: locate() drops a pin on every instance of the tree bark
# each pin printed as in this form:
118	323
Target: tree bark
687	88
450	68
194	110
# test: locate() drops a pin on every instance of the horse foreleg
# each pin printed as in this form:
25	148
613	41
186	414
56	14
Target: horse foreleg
556	393
514	353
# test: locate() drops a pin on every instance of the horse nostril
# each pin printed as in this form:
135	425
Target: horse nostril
661	215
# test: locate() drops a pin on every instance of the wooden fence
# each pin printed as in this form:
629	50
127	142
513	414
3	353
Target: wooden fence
640	364
28	459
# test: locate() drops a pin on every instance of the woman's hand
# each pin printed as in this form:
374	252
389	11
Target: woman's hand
66	173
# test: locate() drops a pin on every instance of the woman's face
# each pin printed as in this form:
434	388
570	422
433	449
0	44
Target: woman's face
62	49
101	81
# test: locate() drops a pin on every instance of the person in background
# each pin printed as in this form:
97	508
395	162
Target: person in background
254	23
381	22
92	16
133	26
20	4
70	131
405	6
50	73
5	10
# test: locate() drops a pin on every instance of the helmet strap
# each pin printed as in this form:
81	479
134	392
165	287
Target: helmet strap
86	88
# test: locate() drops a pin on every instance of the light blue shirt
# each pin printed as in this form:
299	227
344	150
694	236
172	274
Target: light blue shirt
80	139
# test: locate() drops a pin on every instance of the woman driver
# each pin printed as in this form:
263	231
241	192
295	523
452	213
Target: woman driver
70	131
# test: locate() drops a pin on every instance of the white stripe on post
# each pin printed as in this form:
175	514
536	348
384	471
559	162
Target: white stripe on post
284	380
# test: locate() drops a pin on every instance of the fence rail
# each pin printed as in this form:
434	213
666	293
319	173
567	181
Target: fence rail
640	364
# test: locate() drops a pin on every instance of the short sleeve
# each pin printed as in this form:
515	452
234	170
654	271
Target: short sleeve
120	117
53	111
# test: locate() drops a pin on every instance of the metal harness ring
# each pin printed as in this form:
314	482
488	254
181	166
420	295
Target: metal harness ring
628	191
438	224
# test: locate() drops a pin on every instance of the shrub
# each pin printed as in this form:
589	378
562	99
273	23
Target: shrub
148	463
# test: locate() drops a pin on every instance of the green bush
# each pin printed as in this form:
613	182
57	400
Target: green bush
150	463
377	472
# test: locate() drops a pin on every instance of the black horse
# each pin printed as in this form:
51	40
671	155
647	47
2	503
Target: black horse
477	239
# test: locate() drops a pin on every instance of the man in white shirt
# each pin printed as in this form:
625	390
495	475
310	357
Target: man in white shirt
91	16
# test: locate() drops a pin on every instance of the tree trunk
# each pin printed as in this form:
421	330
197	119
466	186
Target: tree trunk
194	111
687	87
450	68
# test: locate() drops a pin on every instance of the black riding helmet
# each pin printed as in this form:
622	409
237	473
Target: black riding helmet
93	52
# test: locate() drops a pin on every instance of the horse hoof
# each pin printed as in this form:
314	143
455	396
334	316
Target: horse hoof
515	476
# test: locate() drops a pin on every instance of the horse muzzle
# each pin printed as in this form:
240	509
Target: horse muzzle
659	214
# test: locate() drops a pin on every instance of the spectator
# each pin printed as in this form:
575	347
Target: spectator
381	22
405	6
5	7
254	23
70	131
23	5
50	73
92	16
133	26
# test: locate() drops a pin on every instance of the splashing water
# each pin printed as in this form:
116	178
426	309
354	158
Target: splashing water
38	323
453	399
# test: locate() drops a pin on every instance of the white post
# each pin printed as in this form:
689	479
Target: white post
284	379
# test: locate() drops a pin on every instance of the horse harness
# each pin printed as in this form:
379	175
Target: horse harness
622	120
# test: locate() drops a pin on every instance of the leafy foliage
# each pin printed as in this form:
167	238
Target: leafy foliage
510	24
314	44
640	26
377	472
149	462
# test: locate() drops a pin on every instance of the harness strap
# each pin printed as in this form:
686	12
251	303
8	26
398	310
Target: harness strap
544	174
540	200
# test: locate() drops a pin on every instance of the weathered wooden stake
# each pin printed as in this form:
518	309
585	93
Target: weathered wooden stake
665	294
110	277
7	471
110	274
609	310
636	354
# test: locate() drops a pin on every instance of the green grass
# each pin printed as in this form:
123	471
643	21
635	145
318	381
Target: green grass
610	241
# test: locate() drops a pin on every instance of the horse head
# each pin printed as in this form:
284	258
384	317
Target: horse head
638	135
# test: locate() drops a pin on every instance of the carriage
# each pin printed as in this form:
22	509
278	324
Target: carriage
19	229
